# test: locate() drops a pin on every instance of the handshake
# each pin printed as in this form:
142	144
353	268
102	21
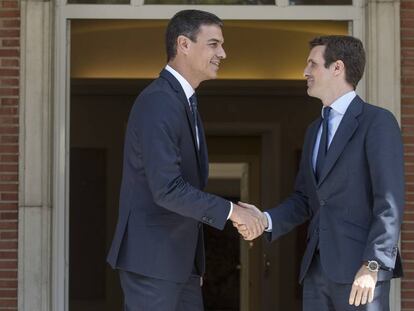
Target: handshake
249	220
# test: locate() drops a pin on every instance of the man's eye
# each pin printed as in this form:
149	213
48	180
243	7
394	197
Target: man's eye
213	45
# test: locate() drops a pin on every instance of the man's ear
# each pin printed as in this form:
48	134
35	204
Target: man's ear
338	67
183	44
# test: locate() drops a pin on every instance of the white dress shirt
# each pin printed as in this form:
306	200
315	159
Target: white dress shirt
189	91
339	108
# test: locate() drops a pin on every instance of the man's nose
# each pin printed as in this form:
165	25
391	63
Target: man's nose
306	72
222	53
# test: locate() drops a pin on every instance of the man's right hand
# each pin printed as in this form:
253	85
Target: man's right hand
249	220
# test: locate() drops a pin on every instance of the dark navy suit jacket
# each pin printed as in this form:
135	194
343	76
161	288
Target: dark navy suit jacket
159	231
356	207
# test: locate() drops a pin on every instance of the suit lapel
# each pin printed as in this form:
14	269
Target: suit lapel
183	99
346	129
313	134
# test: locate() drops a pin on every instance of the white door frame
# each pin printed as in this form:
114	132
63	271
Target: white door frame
44	115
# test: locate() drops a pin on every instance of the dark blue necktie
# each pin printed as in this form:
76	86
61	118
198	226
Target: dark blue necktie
194	111
323	144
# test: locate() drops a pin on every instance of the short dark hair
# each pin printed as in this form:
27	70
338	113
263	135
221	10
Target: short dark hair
187	23
348	49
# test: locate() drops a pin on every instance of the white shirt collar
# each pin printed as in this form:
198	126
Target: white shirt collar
341	104
188	89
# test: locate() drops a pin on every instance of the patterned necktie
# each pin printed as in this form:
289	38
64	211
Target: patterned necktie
323	144
194	111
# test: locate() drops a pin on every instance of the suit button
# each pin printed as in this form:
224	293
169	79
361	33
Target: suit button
322	202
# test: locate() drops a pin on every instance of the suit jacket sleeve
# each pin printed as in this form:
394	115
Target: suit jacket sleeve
157	125
384	151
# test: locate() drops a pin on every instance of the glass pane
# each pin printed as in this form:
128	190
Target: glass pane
320	2
226	2
99	1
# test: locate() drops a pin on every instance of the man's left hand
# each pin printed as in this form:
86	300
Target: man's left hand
363	288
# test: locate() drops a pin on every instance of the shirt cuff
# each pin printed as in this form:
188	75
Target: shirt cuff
231	210
269	222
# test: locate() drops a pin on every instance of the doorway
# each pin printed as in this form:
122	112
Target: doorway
226	281
250	117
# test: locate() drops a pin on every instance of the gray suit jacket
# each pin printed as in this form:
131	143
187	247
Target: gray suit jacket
356	208
159	231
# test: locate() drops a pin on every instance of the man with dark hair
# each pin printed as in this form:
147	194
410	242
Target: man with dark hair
158	243
350	186
187	23
345	48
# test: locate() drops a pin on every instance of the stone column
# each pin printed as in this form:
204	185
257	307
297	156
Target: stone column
383	54
34	267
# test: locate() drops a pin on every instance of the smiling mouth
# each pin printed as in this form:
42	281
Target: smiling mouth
217	64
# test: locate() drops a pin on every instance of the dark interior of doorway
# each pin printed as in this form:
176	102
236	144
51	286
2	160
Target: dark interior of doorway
99	110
